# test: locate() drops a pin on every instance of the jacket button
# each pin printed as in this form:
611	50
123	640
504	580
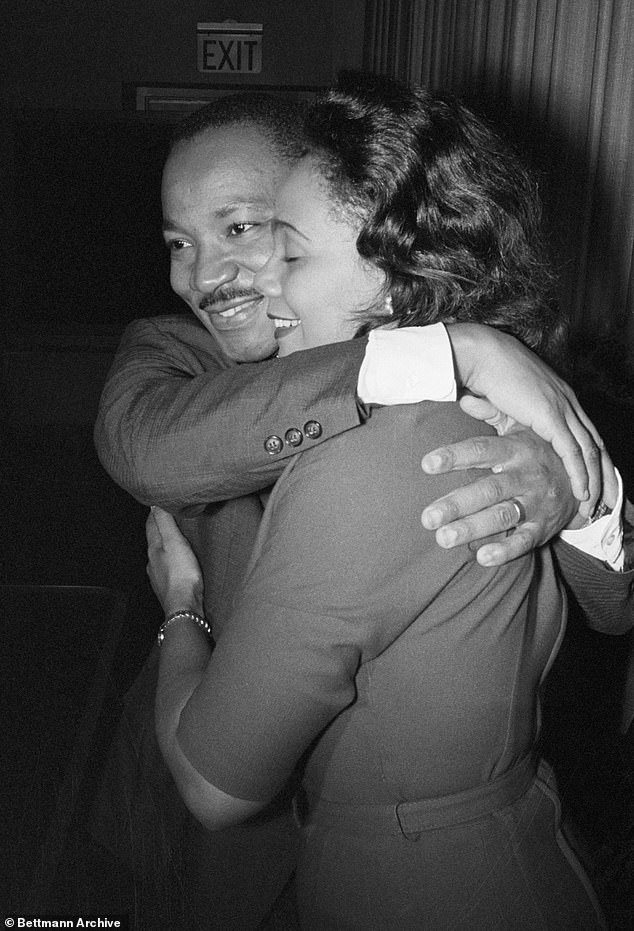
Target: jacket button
273	445
294	437
313	429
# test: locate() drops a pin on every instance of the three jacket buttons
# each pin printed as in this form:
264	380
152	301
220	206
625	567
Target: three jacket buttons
294	437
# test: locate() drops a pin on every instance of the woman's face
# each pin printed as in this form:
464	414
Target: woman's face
315	280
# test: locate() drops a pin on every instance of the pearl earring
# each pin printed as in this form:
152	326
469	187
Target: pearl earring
389	310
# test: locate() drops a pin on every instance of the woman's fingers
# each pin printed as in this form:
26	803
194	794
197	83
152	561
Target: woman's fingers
163	527
579	448
172	567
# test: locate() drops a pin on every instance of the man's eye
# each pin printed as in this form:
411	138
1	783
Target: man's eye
176	245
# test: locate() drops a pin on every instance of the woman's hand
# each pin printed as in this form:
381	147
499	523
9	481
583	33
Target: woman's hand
177	582
172	568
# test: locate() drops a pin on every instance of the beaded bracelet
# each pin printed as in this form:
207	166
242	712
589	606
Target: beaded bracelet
178	615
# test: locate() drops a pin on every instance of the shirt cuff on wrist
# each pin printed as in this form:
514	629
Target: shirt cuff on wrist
603	538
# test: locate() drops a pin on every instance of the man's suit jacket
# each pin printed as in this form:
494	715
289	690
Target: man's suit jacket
182	426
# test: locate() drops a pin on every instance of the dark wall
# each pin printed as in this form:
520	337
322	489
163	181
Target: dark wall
77	53
86	253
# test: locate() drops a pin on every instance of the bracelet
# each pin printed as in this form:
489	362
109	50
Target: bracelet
179	615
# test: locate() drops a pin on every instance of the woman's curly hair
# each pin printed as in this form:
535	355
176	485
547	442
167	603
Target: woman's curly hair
447	210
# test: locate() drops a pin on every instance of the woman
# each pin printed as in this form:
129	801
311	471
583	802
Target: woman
402	678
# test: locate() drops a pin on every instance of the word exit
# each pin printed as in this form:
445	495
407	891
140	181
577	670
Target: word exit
230	48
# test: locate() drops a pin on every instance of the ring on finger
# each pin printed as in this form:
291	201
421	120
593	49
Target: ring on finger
519	507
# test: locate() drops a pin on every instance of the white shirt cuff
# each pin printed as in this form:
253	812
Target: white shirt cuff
603	538
407	365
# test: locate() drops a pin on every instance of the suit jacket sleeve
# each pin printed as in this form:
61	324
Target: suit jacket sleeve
605	597
180	425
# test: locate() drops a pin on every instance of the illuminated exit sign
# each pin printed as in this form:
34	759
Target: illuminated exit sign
230	48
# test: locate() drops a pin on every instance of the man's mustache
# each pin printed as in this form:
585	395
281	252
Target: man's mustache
228	294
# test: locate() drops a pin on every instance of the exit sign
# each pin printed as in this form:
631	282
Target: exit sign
230	48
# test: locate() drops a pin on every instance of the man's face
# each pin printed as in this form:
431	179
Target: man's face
218	196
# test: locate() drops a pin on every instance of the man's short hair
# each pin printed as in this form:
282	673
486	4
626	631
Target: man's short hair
279	119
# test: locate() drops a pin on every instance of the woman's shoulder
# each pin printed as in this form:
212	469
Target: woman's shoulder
378	461
399	430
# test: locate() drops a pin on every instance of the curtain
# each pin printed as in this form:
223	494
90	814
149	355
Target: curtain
557	76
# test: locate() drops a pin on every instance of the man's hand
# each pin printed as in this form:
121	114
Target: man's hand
495	366
520	466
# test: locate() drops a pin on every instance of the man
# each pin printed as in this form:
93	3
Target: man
187	422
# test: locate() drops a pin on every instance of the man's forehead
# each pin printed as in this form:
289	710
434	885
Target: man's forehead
239	159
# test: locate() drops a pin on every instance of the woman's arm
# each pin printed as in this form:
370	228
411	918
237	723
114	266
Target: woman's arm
185	652
496	367
246	711
518	465
180	425
184	657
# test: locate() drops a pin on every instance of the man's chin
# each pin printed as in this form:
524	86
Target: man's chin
261	354
247	351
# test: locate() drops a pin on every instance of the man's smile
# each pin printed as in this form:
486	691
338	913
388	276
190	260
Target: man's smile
225	315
